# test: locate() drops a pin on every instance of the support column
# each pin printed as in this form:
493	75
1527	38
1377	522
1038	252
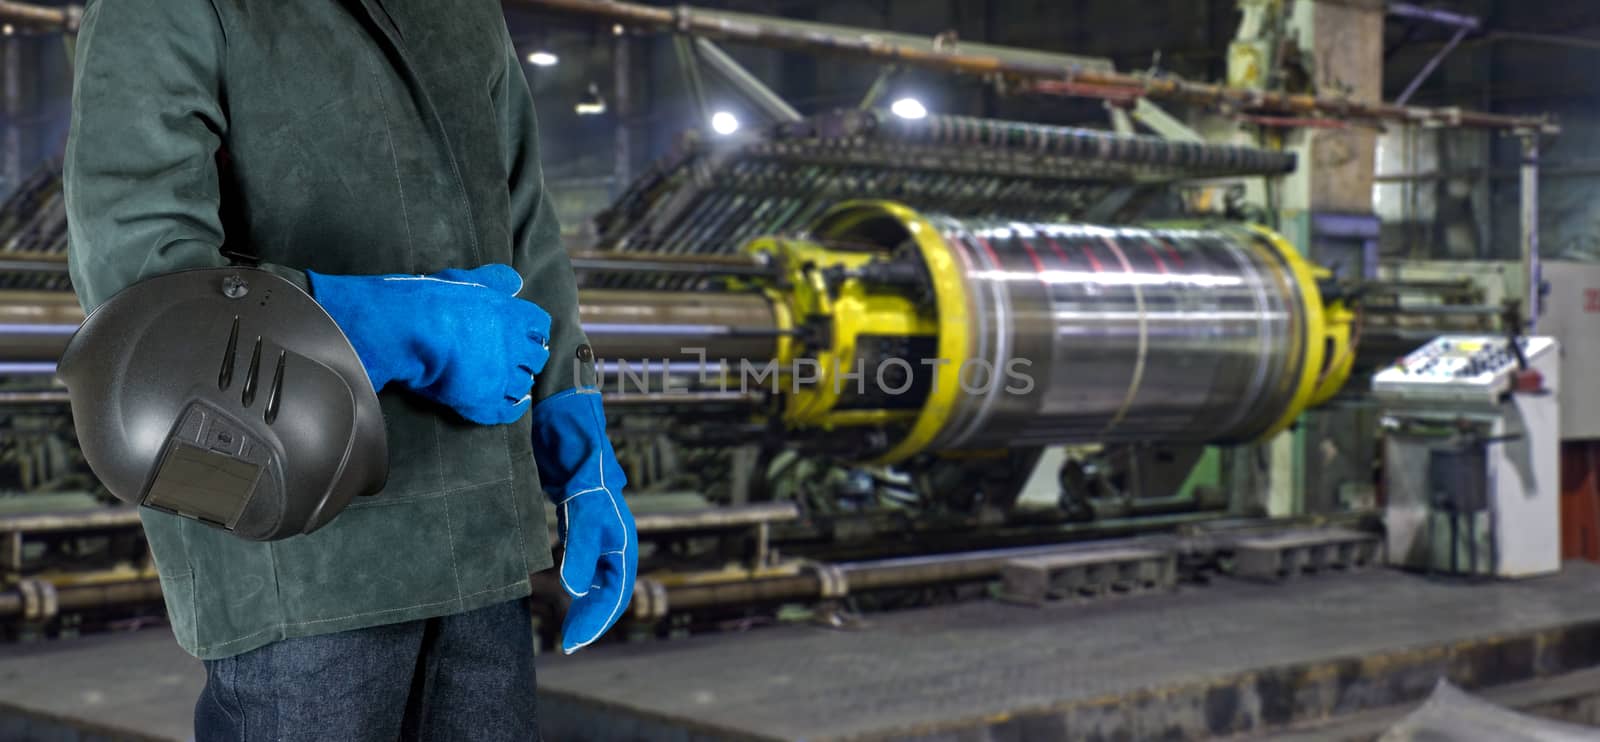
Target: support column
1331	48
1341	42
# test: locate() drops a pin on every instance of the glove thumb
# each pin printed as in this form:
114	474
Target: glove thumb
578	563
497	277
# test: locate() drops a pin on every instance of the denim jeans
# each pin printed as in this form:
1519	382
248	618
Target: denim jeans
462	677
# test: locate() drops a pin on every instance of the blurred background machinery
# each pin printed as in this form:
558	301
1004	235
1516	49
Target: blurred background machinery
870	356
856	337
1000	312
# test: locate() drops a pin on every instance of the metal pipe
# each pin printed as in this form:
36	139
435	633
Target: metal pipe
628	399
648	523
1433	64
88	597
740	78
87	520
14	399
1532	280
751	27
22	300
1586	168
35	325
32	262
659	325
766	590
1039	72
64	18
1435	15
880	574
700	265
1476	310
714	519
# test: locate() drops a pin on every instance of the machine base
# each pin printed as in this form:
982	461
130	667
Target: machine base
1337	654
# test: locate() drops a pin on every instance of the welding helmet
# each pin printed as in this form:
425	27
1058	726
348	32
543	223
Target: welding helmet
229	396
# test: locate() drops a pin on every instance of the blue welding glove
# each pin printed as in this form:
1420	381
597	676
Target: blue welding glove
579	472
458	337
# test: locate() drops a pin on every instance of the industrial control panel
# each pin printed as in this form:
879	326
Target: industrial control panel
1472	369
1472	479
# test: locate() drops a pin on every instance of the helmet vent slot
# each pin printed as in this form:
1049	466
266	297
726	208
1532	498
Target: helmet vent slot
252	375
225	376
275	394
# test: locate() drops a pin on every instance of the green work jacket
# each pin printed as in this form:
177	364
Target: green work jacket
346	137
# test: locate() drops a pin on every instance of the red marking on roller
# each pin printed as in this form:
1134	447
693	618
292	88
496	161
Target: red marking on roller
1172	252
1094	262
1038	264
983	243
1161	265
1060	253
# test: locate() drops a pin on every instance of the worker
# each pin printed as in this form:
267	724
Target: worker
383	156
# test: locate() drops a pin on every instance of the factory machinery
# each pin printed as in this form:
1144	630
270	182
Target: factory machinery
844	355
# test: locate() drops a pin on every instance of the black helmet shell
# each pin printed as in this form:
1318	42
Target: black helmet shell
226	395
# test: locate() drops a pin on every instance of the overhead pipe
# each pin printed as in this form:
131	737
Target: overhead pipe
1083	75
1036	72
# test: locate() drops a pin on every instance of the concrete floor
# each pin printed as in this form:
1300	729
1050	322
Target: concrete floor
129	686
1226	659
1229	658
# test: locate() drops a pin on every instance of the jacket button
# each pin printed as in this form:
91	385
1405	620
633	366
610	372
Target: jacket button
585	353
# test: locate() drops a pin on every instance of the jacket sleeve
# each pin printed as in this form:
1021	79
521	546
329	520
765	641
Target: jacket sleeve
141	175
537	252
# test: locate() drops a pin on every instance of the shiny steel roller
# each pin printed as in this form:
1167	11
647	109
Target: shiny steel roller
1128	334
1072	333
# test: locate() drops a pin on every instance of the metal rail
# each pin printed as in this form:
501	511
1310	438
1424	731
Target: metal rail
83	520
38	601
1041	74
64	17
718	518
32	262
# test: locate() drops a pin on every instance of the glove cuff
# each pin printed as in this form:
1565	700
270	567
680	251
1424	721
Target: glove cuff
570	446
349	301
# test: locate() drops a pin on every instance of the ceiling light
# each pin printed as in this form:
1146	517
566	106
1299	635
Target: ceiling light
909	108
543	58
592	103
724	123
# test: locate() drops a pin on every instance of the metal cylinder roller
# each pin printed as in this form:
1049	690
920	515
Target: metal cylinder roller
1066	333
1128	334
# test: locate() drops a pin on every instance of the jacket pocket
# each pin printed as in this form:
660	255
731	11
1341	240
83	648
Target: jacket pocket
177	591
